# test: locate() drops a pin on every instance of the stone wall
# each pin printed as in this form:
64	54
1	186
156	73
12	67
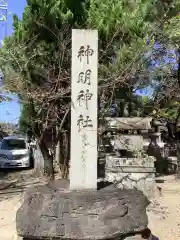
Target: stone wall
131	173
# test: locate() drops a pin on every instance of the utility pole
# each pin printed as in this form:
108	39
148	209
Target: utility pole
3	19
3	27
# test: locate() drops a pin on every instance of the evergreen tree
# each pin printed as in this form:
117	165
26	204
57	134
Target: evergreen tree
36	59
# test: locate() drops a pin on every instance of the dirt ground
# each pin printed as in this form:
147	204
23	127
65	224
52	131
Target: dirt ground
12	187
163	213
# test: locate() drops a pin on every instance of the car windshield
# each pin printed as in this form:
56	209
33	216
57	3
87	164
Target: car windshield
13	144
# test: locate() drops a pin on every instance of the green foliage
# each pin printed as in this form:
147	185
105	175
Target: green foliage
172	25
170	111
167	93
8	129
127	18
25	122
36	59
124	27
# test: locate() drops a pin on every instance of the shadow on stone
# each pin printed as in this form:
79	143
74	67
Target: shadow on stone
160	180
104	184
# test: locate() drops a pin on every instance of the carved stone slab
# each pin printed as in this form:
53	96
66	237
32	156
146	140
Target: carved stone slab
51	212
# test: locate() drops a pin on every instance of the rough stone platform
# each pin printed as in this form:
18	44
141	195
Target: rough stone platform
54	212
132	173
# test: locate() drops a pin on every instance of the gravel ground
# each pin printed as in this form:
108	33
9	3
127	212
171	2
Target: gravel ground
163	213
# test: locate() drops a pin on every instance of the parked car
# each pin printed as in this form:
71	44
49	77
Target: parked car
14	153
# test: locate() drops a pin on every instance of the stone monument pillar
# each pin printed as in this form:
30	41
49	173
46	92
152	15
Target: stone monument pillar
83	170
77	210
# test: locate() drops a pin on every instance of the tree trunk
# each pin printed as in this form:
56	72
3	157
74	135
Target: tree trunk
68	153
48	161
130	103
177	119
178	158
61	153
122	106
64	154
57	157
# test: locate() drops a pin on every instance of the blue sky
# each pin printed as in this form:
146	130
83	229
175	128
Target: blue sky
9	112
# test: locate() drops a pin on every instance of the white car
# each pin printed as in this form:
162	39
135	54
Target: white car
14	153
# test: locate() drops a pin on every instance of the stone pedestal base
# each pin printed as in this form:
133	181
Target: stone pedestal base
131	173
144	182
54	212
